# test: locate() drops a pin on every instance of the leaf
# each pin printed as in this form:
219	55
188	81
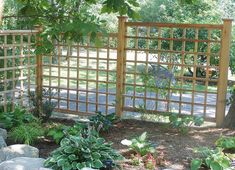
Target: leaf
60	162
97	164
196	164
68	149
72	157
215	166
143	136
79	166
100	140
96	155
198	121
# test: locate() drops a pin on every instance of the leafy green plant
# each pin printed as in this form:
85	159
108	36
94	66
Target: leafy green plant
226	142
59	131
213	159
183	123
27	133
140	145
77	152
103	122
16	118
42	106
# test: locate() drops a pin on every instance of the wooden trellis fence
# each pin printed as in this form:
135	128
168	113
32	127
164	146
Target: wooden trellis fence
173	44
112	77
17	67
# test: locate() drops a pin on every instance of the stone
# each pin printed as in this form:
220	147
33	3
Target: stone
2	142
23	163
18	150
3	133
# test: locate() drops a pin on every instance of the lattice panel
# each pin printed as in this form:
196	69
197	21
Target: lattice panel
185	57
83	75
17	67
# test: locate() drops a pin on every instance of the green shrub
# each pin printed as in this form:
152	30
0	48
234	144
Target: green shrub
15	118
27	133
213	159
103	122
77	152
44	102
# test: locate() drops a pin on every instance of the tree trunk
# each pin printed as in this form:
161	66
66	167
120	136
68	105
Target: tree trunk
1	10
229	121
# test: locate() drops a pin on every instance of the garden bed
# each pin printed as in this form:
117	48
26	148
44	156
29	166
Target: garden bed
175	148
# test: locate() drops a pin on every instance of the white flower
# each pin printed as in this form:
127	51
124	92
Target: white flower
126	142
140	145
162	7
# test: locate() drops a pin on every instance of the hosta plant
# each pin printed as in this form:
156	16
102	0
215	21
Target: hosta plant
59	131
183	123
226	143
140	145
77	152
213	159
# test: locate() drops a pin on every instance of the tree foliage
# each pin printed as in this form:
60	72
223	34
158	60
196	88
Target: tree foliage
74	18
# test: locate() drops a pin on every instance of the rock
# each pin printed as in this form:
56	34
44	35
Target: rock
18	150
3	133
23	163
2	142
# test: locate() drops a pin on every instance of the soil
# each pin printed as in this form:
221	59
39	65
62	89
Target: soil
176	148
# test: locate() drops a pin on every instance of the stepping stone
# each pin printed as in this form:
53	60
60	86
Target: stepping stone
2	142
23	163
18	150
3	133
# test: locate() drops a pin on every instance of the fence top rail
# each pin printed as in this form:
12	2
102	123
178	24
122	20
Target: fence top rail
4	32
174	25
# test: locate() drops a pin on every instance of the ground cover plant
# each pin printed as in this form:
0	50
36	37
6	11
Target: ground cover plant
227	143
84	149
214	159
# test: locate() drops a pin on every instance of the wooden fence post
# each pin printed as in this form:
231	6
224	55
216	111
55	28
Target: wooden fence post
223	73
39	69
120	64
